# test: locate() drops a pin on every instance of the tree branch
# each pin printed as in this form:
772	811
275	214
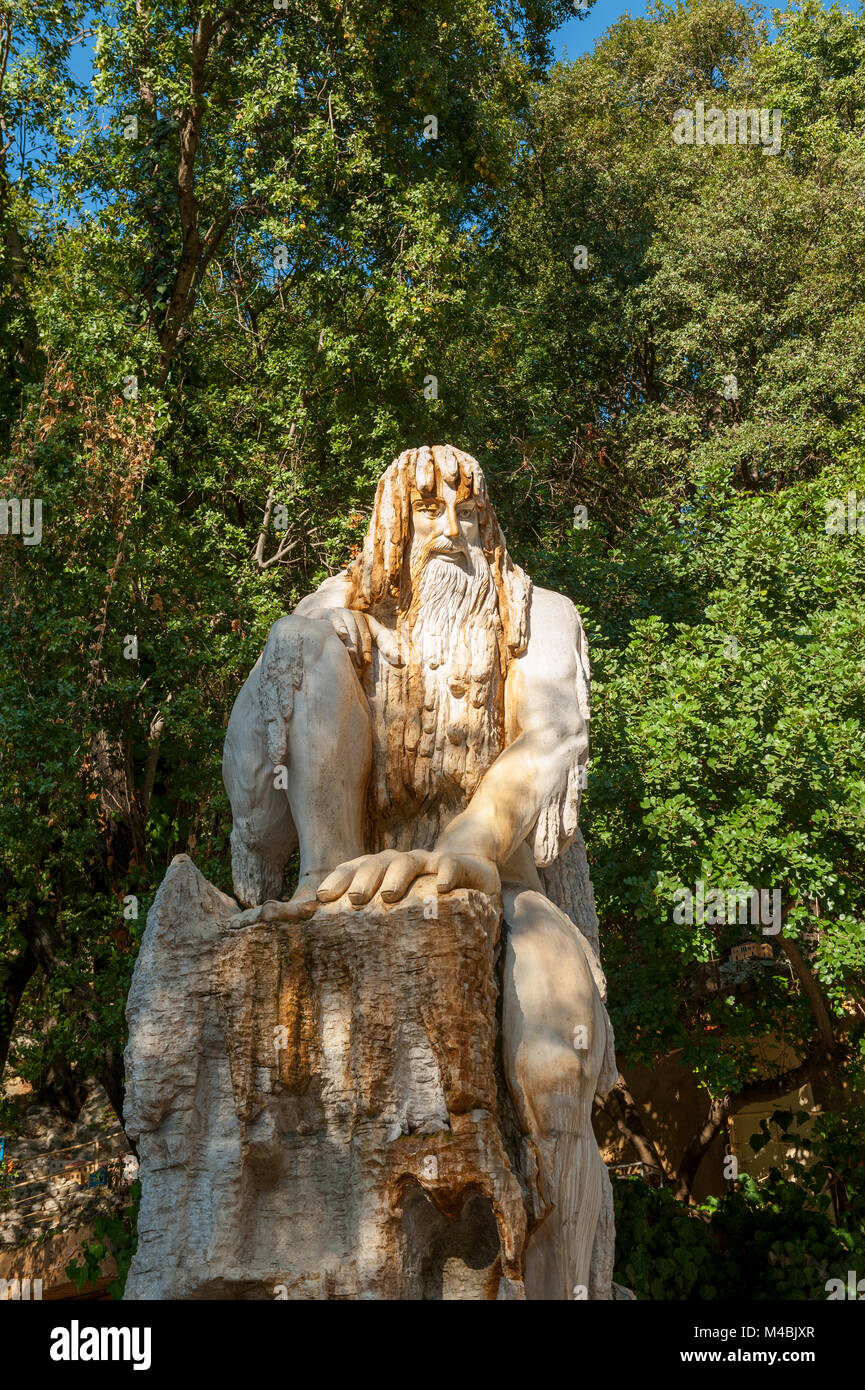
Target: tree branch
621	1107
815	998
819	1060
191	119
16	975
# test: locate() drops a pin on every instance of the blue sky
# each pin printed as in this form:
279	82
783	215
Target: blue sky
576	36
579	36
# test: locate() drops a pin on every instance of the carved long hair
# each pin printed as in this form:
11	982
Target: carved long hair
380	577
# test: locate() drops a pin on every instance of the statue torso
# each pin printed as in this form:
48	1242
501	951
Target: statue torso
434	737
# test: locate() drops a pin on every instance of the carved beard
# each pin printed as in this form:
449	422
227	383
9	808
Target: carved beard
451	614
438	720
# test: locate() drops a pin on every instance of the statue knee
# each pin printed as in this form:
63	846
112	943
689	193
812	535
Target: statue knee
554	1022
305	645
292	630
559	1084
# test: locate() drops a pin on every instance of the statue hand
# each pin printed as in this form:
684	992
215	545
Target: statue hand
394	870
357	631
353	631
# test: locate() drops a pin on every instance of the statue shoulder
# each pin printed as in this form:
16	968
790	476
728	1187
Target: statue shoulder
554	621
557	653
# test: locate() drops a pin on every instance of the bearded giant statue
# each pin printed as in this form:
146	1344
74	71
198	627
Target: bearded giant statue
430	707
418	730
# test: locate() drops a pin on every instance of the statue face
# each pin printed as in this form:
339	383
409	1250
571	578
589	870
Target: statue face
444	527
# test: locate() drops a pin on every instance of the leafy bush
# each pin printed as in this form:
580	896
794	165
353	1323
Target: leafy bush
116	1236
774	1239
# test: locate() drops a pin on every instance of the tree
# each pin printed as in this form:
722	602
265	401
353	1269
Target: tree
251	260
692	378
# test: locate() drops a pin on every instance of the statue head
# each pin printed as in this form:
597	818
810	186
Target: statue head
434	547
435	567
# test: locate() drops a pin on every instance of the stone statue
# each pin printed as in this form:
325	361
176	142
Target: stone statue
424	716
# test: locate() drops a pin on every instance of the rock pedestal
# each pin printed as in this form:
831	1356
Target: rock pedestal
319	1107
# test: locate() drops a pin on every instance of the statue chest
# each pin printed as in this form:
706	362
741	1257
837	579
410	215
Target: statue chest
433	740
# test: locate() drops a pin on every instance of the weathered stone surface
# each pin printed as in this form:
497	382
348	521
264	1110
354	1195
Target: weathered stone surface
318	1105
53	1158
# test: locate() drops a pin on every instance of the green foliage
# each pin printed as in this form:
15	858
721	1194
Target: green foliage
725	617
331	271
116	1238
280	259
779	1238
747	769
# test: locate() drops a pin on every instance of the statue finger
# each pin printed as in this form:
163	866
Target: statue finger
448	876
366	880
248	918
484	875
347	632
479	873
336	882
298	908
275	911
386	641
401	872
364	640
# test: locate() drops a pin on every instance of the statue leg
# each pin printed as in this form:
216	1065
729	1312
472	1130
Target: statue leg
555	1032
296	764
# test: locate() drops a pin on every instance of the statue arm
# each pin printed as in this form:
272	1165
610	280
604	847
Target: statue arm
546	717
531	787
356	630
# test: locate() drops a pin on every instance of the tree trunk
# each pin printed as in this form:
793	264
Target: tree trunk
319	1106
622	1109
16	974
